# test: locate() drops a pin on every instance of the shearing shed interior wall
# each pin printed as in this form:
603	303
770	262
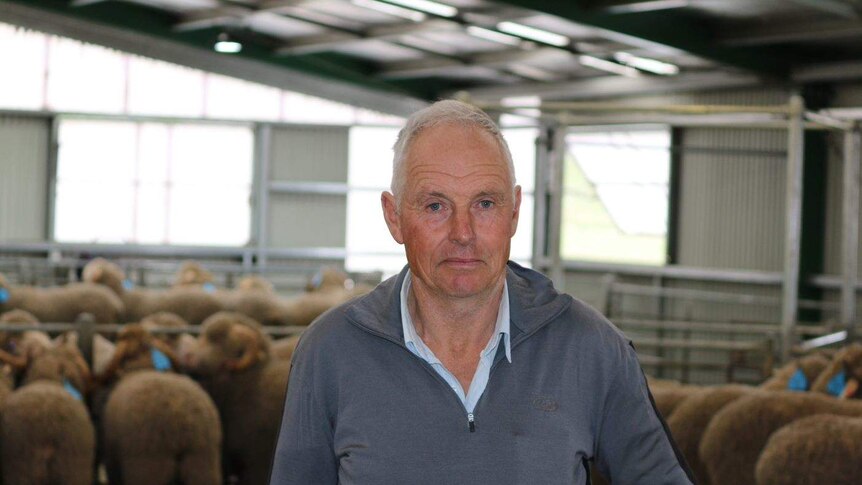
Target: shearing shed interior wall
731	216
24	155
308	154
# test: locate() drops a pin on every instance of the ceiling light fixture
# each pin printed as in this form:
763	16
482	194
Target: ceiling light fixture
227	44
608	66
648	6
535	34
493	35
390	9
646	64
428	6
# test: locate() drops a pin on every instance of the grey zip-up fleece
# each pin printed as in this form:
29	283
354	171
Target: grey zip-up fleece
362	409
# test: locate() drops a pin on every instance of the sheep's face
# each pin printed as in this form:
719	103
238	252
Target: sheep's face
230	342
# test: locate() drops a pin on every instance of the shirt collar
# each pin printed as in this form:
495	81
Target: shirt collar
415	343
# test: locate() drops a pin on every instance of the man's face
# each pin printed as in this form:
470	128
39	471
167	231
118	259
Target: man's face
457	213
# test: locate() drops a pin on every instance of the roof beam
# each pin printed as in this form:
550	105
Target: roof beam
615	86
844	8
328	42
493	60
674	29
204	19
780	34
164	47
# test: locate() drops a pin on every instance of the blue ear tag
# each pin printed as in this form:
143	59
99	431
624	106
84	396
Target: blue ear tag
161	362
798	382
209	287
71	390
836	384
4	295
128	285
317	280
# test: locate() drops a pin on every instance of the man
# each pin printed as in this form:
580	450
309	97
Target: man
465	368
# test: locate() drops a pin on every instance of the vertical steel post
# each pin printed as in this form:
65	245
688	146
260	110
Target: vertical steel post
262	157
555	205
850	231
540	199
793	224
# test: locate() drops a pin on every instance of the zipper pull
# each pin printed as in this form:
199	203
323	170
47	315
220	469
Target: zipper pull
471	422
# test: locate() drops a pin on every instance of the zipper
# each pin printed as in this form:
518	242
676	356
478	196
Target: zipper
471	417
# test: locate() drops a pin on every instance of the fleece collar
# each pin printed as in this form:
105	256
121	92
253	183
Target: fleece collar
533	302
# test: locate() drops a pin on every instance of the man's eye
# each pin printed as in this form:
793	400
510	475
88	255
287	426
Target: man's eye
435	206
486	204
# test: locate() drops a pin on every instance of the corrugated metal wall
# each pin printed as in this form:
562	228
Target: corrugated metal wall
845	95
308	154
731	216
732	195
24	154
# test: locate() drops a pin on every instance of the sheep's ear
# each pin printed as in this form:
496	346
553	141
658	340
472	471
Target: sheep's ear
117	359
253	352
15	361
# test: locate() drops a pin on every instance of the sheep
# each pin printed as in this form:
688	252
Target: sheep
668	399
193	274
64	303
842	377
157	427
46	434
327	289
820	449
255	283
691	418
737	434
192	304
165	320
232	361
805	369
17	345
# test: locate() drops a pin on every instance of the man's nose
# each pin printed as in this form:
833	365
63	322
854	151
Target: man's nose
461	227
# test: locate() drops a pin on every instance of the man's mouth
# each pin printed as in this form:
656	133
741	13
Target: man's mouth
462	262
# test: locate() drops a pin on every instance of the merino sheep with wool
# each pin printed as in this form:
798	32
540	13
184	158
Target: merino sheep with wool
62	303
691	418
46	433
232	361
736	435
843	375
159	427
817	450
193	304
327	289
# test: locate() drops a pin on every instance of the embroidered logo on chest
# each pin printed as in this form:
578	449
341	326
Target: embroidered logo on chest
545	403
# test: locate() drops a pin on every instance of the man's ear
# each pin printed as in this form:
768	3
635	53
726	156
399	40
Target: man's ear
390	214
516	212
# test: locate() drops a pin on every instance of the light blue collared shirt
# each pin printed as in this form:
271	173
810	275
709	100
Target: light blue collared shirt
480	378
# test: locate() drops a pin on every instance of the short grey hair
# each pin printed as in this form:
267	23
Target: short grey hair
443	112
